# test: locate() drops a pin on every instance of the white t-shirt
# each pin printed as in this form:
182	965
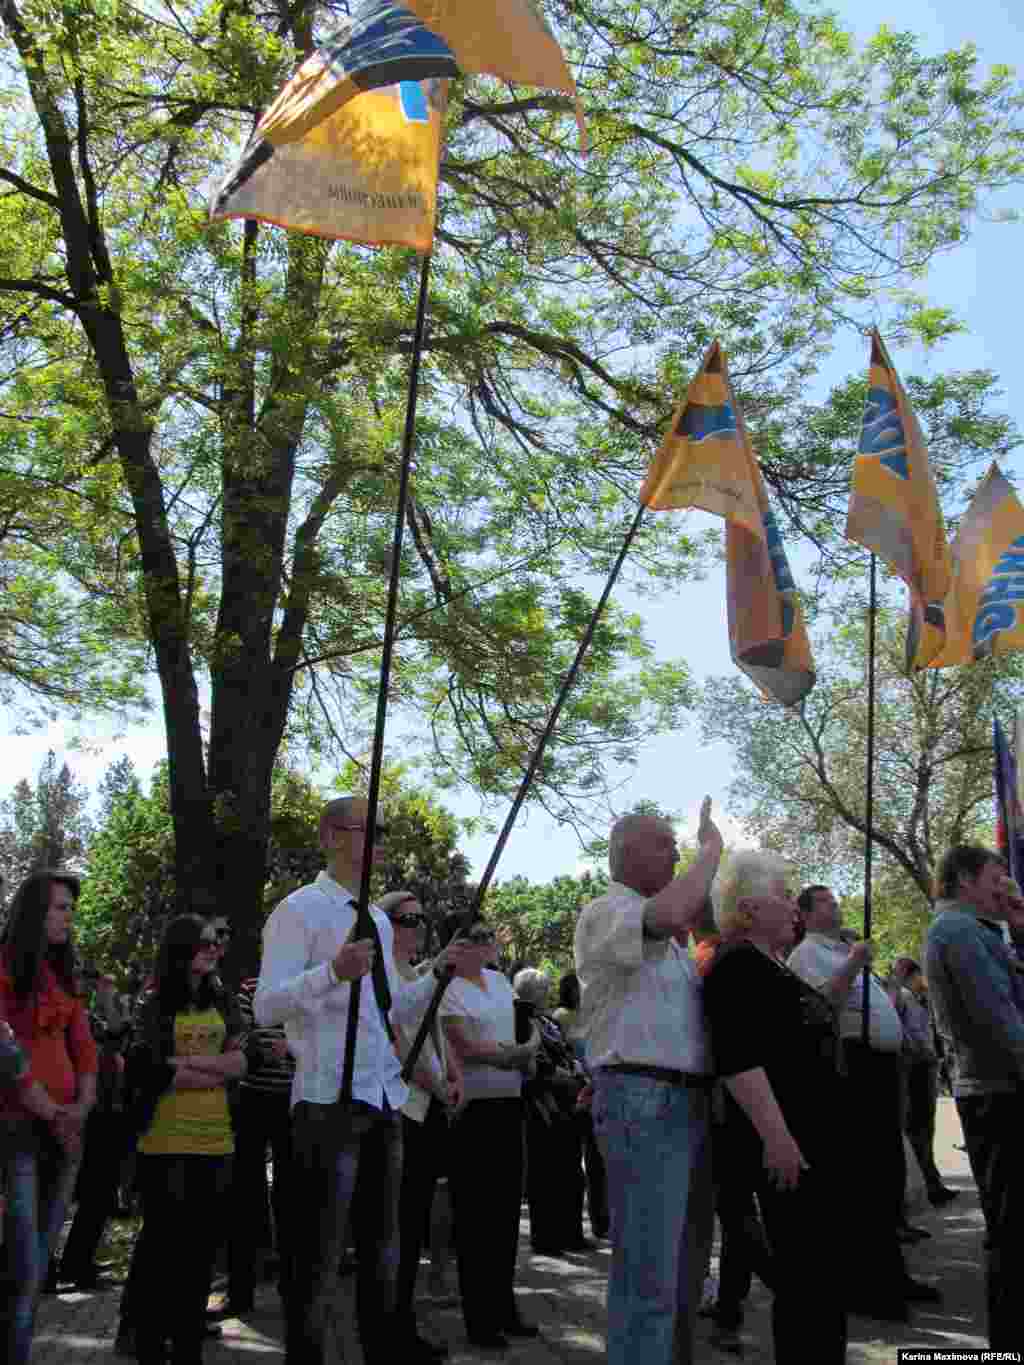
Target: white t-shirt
816	961
488	1017
641	996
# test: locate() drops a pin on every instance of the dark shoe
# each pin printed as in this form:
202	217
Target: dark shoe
886	1309
908	1235
516	1327
727	1339
941	1195
124	1343
916	1291
94	1283
488	1341
236	1308
413	1347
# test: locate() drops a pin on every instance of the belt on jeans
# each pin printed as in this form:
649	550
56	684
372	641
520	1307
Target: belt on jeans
691	1079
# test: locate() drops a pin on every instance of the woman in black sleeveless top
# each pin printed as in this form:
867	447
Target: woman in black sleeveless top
776	1049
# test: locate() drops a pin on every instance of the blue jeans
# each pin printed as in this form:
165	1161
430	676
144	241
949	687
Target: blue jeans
654	1139
347	1162
40	1178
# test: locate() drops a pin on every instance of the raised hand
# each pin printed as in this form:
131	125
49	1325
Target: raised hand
707	831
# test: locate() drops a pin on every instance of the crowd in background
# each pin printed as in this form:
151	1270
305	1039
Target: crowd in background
525	1089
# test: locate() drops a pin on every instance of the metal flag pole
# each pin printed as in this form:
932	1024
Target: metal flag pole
364	922
427	1022
869	803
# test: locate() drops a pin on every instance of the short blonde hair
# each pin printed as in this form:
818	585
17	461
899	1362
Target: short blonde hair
751	872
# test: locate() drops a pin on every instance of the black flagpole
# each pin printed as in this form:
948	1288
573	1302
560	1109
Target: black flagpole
364	923
427	1022
869	802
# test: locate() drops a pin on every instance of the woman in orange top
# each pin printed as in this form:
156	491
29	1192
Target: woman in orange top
39	1145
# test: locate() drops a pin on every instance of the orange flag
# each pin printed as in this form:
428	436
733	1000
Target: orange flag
894	507
367	172
984	611
706	460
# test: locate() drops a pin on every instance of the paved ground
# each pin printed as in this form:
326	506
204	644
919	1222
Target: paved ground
565	1297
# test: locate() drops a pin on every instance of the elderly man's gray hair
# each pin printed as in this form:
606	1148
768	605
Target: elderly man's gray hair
531	985
623	832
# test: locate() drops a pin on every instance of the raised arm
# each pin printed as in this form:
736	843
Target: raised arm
675	910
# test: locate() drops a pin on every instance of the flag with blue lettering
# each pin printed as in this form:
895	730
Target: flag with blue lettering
984	609
1009	816
383	42
366	173
894	506
706	460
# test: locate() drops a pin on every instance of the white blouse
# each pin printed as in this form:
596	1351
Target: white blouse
487	1017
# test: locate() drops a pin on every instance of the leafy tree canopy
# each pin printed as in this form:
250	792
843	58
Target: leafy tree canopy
44	824
212	417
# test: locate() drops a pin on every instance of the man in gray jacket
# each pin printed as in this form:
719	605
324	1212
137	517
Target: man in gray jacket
977	991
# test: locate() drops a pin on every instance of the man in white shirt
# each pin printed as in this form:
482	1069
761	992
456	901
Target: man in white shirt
309	962
879	1285
642	1019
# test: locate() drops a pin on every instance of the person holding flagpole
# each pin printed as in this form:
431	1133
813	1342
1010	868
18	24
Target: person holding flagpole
309	962
876	1164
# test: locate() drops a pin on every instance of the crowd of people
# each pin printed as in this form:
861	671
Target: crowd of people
790	1128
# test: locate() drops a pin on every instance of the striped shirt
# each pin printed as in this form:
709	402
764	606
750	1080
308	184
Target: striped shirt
267	1071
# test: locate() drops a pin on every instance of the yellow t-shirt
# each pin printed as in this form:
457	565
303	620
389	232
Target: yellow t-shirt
193	1122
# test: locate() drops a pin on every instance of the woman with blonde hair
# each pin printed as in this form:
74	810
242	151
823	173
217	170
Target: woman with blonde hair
776	1048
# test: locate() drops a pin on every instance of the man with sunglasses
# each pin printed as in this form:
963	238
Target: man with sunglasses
310	959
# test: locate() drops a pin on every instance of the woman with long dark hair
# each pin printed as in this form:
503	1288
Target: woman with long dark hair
41	1117
188	1050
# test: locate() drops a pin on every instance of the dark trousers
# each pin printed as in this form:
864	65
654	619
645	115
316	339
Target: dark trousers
745	1249
347	1162
992	1126
922	1082
595	1174
98	1179
424	1161
486	1178
875	1170
262	1119
807	1229
184	1201
554	1180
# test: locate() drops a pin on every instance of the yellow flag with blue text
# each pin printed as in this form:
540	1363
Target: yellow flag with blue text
366	173
382	43
984	610
706	460
894	506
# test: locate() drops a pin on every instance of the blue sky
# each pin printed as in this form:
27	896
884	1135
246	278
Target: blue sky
979	281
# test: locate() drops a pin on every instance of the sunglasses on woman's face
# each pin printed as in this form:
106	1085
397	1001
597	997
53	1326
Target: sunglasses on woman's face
207	941
408	919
